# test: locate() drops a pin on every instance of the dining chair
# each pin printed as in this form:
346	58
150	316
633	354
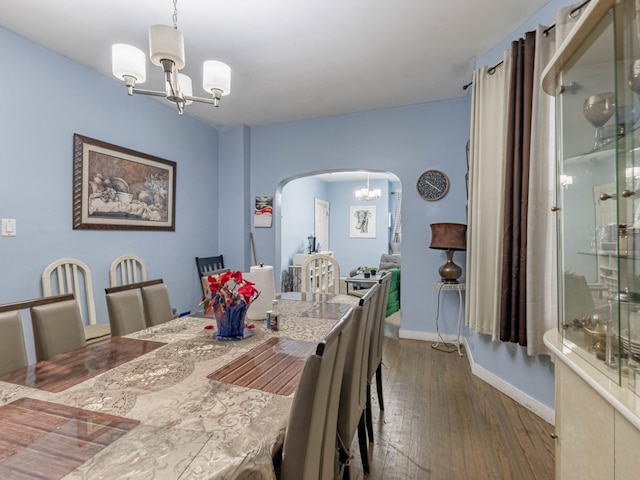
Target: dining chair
69	275
351	413
57	328
127	269
209	266
126	314
310	439
156	304
320	274
13	354
374	367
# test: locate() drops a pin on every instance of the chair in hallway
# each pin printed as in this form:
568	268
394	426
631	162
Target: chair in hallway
320	274
127	269
57	328
209	266
13	354
69	275
374	366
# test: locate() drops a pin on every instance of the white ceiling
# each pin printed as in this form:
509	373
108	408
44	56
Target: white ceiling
290	59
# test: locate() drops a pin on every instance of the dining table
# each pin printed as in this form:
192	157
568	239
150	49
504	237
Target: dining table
168	402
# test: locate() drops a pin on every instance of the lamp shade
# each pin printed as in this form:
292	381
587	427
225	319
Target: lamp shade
166	43
127	60
216	75
448	236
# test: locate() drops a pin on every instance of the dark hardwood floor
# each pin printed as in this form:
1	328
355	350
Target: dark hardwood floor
442	422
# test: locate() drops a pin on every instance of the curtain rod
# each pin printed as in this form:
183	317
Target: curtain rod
490	71
573	13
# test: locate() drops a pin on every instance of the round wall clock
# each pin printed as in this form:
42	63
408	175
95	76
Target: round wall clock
432	185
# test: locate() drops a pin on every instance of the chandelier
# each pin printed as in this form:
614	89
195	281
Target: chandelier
368	194
166	49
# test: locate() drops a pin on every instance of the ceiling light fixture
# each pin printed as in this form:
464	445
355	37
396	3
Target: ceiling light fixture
166	49
367	194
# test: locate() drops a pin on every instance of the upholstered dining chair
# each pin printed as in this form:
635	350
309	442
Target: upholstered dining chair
127	269
126	314
57	328
69	275
374	367
13	354
209	266
351	414
320	274
310	440
156	304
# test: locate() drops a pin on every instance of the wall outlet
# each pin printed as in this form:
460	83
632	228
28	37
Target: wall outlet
8	227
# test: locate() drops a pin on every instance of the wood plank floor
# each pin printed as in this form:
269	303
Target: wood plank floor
442	422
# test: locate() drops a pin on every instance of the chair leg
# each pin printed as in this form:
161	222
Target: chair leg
362	441
343	462
379	385
368	416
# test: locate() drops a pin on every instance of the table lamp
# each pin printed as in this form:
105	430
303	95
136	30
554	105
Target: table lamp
449	237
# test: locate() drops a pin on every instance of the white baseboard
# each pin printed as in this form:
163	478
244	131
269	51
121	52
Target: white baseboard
509	390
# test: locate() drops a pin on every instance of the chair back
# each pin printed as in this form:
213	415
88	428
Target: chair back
309	424
57	328
126	314
13	354
156	304
354	379
208	266
127	269
69	275
377	335
320	274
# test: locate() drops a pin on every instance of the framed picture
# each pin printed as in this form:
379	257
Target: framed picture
115	188
362	222
263	212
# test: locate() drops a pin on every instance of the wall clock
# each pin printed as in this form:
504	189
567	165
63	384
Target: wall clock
432	185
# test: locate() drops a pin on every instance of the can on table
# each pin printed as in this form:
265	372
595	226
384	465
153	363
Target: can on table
268	319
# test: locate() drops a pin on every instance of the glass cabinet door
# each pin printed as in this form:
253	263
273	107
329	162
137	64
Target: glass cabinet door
598	192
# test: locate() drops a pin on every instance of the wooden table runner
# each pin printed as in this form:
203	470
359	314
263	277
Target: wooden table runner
68	369
274	366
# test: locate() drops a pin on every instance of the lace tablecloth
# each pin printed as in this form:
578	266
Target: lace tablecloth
190	427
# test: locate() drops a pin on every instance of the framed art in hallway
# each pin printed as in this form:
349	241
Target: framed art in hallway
115	188
362	222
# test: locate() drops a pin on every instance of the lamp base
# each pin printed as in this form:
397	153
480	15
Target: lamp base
450	272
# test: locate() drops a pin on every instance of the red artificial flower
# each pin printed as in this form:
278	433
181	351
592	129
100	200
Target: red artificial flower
248	291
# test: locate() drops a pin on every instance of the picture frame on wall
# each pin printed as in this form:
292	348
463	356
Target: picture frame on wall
263	212
362	221
115	188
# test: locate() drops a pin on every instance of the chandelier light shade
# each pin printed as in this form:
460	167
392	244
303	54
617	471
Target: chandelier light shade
449	237
166	49
128	61
367	194
166	43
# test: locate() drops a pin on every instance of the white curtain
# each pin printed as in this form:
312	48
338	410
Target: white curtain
542	285
487	154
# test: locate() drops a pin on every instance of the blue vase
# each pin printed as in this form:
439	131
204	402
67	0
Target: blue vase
231	324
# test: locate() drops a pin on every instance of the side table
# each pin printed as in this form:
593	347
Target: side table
438	287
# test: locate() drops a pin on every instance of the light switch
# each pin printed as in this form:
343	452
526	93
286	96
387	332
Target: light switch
8	227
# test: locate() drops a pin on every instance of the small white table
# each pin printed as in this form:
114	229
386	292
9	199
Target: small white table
435	301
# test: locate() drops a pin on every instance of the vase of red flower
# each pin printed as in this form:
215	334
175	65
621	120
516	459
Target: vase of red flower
231	295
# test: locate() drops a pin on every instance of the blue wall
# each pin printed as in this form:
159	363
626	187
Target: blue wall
47	99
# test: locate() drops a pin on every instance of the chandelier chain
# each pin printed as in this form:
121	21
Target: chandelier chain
175	14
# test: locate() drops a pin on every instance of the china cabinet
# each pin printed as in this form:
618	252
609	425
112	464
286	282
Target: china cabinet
595	79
